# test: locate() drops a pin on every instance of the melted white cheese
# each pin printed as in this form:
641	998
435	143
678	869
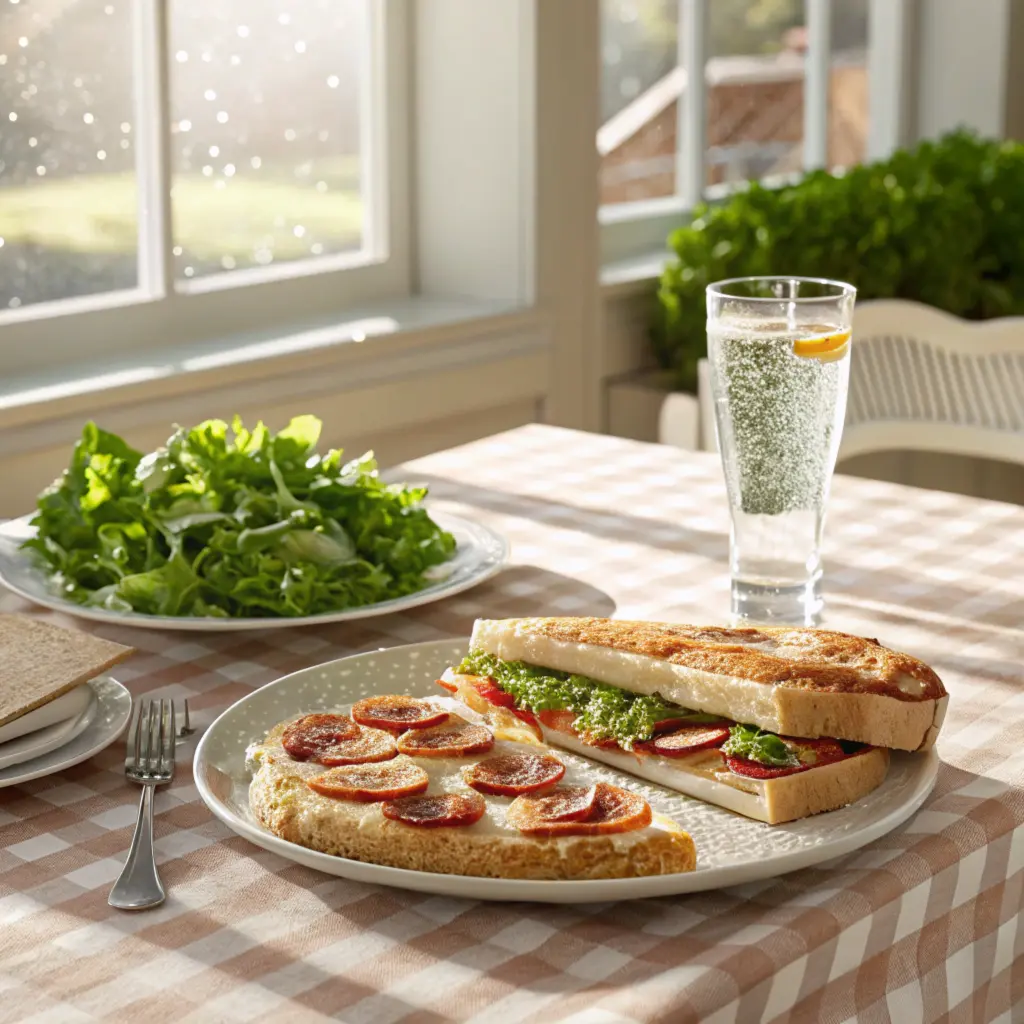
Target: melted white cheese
446	776
702	775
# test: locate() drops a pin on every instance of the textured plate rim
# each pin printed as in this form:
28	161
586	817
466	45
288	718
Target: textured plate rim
485	569
526	890
101	744
74	726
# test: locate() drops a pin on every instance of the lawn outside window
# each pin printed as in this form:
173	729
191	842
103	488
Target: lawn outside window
177	173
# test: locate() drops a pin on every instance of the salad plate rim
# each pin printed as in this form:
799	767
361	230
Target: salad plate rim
492	556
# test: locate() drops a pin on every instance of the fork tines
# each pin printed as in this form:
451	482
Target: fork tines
152	742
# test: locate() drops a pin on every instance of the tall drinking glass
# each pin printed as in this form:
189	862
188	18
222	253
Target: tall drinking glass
779	349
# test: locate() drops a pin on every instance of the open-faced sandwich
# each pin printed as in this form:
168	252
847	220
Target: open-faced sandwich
429	785
774	723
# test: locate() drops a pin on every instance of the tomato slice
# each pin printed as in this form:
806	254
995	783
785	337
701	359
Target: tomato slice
560	721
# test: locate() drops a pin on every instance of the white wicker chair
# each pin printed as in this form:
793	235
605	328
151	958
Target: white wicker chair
923	380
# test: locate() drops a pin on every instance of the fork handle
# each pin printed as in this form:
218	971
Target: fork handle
138	886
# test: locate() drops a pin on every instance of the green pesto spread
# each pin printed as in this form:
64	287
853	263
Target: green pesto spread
606	712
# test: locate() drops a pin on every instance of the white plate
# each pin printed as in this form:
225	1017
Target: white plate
42	741
110	715
479	555
730	849
65	707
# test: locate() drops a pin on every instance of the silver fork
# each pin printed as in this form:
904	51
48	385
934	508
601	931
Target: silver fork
149	762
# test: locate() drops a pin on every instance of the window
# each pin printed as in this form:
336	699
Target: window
781	86
211	166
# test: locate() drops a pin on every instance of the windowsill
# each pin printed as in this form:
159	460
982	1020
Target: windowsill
408	336
633	274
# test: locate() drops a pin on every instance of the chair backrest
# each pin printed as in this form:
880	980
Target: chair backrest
923	380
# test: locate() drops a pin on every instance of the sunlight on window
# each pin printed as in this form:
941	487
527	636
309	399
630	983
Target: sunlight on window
67	164
269	170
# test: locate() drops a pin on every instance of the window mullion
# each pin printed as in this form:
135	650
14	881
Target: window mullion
692	108
889	36
816	82
153	150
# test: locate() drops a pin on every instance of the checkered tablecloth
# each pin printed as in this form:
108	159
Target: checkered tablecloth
923	925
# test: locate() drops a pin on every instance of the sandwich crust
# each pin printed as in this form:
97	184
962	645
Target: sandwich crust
808	659
798	682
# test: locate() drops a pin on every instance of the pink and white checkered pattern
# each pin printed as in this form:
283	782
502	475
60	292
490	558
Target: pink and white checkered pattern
923	925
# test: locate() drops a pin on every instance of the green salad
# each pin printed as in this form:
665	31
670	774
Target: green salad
229	522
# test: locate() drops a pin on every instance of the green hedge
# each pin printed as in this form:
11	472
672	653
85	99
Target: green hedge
942	223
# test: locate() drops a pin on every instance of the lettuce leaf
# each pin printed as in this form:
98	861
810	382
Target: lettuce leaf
757	745
226	521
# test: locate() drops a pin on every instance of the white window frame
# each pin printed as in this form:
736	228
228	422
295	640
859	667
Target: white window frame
638	229
162	313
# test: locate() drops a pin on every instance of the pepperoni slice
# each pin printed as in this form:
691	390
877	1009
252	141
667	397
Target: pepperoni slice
369	783
514	774
666	725
614	810
456	738
448	810
686	739
310	735
565	803
397	713
368	745
812	754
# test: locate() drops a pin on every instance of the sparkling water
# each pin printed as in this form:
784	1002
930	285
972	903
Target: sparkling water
780	418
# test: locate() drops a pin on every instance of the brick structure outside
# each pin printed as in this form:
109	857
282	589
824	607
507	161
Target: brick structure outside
755	126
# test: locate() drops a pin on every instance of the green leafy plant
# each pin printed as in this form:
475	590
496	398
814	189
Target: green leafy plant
229	522
941	224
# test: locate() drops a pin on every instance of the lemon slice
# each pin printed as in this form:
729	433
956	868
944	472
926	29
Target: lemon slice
825	348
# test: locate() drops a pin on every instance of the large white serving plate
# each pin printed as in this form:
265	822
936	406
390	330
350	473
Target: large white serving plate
480	553
730	849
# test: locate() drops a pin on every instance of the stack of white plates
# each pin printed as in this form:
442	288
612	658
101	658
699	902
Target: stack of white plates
63	732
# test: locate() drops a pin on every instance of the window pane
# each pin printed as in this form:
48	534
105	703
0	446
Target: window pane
755	84
848	84
639	89
67	182
266	99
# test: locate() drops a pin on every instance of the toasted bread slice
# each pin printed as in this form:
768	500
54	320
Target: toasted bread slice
284	804
39	662
796	682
